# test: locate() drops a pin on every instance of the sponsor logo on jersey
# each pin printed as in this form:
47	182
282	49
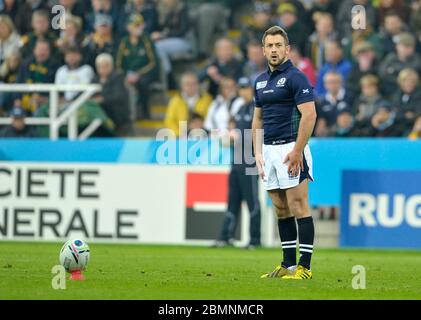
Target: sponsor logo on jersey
268	91
261	85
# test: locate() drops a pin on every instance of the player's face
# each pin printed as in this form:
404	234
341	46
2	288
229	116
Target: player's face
275	50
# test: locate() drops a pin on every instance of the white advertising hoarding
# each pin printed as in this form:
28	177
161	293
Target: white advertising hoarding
108	203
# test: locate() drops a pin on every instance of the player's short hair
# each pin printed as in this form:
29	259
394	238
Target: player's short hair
273	31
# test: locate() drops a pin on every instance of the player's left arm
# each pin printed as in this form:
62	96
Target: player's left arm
303	94
305	130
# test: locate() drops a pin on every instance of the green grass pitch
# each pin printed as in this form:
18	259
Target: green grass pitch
185	272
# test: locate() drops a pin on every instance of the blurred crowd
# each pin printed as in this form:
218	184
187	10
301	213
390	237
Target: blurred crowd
367	81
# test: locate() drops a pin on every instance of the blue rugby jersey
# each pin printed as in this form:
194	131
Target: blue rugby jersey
278	93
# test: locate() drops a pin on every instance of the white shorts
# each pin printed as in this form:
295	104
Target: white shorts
276	171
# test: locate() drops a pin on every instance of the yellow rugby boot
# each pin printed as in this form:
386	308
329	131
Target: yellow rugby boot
300	273
279	272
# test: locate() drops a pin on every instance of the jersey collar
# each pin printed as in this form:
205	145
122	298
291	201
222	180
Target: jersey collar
281	68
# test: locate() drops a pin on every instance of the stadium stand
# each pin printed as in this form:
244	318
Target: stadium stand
153	43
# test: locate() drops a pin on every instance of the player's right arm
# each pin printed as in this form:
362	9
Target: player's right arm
257	127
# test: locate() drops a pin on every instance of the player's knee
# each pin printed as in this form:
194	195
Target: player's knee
298	207
282	212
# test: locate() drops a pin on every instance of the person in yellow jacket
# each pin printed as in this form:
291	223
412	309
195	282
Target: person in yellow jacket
416	130
190	100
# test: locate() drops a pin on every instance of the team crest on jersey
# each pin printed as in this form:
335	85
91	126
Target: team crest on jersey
261	85
281	83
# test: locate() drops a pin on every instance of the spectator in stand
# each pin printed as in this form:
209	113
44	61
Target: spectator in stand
398	6
101	41
255	30
171	39
298	6
10	8
344	16
9	39
101	8
405	57
385	122
346	125
114	97
256	62
332	103
303	63
408	97
17	129
297	31
366	63
210	21
196	128
138	59
74	8
10	67
362	36
8	74
415	19
41	31
39	68
334	62
73	72
23	20
366	104
416	129
392	27
321	7
191	100
72	35
316	45
225	64
146	8
223	107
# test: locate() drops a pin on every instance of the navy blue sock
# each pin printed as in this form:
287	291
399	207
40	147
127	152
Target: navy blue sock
306	238
288	234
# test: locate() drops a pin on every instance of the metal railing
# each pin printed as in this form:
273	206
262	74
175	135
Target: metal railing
56	120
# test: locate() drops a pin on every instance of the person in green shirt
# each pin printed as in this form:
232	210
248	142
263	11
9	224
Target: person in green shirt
137	58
